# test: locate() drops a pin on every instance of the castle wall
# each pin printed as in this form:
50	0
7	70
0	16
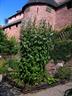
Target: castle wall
57	18
13	31
40	12
63	17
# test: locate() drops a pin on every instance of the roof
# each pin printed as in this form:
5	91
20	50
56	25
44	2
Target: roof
11	24
52	3
55	3
18	12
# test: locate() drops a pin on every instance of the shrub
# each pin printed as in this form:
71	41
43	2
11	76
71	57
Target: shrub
35	45
62	44
12	67
63	73
12	46
3	69
8	46
51	80
62	50
2	61
12	63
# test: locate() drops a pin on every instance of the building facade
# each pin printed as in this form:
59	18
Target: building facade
58	13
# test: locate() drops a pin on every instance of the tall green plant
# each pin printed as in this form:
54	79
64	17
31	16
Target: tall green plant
35	45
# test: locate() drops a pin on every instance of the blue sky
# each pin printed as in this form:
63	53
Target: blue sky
9	7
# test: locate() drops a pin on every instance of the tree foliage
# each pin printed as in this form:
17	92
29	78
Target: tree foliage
7	46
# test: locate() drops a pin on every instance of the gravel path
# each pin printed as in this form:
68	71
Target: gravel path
54	91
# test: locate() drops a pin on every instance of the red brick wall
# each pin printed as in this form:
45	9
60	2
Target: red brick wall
63	17
13	31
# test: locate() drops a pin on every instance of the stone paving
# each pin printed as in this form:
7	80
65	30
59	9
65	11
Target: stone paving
54	91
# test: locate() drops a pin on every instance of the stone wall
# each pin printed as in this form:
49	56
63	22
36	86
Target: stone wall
13	31
41	12
63	17
57	18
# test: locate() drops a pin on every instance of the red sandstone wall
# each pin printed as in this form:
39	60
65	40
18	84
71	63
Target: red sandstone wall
58	19
63	17
13	31
40	13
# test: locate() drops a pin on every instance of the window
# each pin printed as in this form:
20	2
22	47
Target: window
69	5
48	9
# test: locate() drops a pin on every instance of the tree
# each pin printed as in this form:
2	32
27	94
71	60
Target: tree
7	46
